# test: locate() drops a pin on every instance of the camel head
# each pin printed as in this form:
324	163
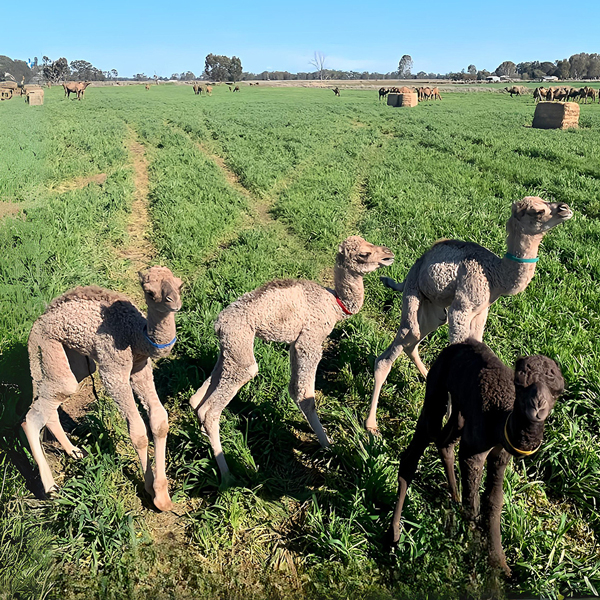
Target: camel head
538	384
161	289
534	216
359	256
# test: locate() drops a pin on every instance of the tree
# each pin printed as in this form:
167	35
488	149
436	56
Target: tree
56	71
579	65
187	76
472	69
563	69
318	61
222	68
405	66
235	69
114	73
507	68
82	70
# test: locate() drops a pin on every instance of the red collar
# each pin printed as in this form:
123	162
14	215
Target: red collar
346	311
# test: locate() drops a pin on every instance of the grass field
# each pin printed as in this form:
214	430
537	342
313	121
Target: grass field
240	189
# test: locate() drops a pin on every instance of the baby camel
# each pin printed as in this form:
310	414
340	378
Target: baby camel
496	413
458	281
91	326
297	312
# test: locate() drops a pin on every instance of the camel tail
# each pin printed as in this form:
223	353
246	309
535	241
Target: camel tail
392	284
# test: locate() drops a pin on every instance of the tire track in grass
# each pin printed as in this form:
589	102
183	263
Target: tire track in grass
138	251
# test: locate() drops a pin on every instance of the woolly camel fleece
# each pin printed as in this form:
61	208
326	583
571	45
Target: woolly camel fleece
458	281
91	326
496	413
297	312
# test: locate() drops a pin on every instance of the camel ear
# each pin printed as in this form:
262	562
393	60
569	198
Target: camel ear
517	210
153	288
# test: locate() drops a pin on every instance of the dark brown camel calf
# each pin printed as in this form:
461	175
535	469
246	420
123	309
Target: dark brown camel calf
496	413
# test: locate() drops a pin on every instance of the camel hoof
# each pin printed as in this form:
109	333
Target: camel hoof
374	431
53	491
77	454
164	504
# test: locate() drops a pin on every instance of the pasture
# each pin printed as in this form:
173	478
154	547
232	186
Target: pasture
231	191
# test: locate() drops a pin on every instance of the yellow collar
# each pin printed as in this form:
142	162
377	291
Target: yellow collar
519	452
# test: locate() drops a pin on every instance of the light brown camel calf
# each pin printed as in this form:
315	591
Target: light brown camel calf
296	312
75	87
458	281
91	326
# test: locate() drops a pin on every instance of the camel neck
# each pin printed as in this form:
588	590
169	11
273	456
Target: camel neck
349	289
160	331
517	274
522	437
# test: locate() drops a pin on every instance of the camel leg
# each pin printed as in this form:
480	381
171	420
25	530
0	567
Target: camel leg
142	383
53	424
53	382
209	413
471	469
446	442
198	398
478	324
428	429
419	318
236	367
460	316
493	499
116	381
305	355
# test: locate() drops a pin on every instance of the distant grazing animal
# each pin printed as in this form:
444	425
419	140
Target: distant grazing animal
539	94
209	90
197	88
236	88
89	327
424	93
336	91
516	90
435	94
75	87
458	281
296	312
147	87
383	92
497	413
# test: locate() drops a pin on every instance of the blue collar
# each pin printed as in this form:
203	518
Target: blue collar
521	260
159	346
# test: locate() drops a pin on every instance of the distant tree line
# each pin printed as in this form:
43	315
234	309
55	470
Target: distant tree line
224	68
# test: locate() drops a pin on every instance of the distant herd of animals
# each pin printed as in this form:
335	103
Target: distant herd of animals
562	93
423	93
497	412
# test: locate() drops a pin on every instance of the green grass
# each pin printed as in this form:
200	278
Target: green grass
300	522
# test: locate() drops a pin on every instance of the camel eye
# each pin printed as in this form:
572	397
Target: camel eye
169	299
365	255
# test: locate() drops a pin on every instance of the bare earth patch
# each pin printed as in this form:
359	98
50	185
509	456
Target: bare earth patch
80	182
9	209
139	250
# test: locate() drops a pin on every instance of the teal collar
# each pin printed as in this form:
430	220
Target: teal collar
521	260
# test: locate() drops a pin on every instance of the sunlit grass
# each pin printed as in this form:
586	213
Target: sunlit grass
300	521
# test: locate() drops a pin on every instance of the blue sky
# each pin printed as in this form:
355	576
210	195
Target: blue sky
168	37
